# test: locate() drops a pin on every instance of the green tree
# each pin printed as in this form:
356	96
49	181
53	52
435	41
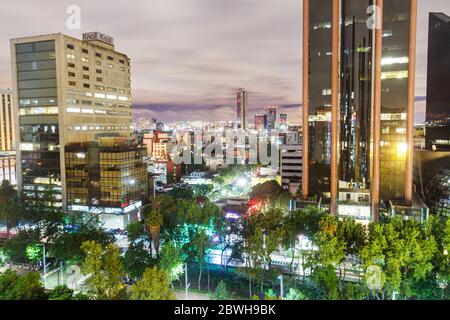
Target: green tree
171	260
271	295
153	221
221	292
16	247
105	270
404	251
269	190
154	285
294	294
10	206
61	293
327	281
201	244
330	255
21	287
67	243
263	234
300	225
354	291
137	259
182	193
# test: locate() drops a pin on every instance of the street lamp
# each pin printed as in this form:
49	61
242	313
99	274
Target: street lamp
242	182
45	264
186	281
281	286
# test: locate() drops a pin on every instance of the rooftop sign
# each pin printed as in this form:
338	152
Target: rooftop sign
97	36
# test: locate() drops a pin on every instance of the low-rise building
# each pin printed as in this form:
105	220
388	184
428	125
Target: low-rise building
107	178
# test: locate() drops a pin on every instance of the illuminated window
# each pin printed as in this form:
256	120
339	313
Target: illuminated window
392	60
100	95
326	92
394	75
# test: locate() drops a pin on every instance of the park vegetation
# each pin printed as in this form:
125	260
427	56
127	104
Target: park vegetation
328	257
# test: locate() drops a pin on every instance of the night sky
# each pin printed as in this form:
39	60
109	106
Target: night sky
190	56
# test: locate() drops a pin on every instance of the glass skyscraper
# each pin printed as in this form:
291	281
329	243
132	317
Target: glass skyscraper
358	95
438	82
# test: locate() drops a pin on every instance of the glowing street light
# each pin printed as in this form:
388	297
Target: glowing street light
402	149
242	182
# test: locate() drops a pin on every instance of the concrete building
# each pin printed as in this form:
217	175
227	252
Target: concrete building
68	91
7	116
291	167
7	137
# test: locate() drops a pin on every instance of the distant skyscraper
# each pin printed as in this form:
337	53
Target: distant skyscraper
283	118
242	107
438	83
69	91
143	124
271	113
259	122
358	103
160	126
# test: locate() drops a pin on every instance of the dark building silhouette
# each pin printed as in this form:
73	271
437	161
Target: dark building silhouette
242	107
358	103
438	83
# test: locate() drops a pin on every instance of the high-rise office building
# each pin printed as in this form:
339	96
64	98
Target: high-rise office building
67	91
358	98
438	83
7	137
242	107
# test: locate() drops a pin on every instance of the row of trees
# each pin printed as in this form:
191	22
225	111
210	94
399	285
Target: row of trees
106	272
345	259
63	235
336	258
28	286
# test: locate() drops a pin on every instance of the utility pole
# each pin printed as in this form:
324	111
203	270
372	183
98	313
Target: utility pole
187	285
45	264
282	287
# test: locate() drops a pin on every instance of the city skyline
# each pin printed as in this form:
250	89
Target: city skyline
181	69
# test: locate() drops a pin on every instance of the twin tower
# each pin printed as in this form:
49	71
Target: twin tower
358	102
